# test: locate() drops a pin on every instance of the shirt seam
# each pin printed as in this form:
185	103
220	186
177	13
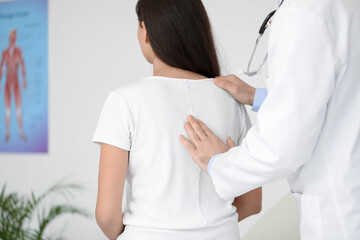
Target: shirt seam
192	112
189	97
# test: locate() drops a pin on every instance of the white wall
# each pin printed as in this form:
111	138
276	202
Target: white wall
93	49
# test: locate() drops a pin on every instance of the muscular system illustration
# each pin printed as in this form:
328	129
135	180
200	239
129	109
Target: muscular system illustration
12	58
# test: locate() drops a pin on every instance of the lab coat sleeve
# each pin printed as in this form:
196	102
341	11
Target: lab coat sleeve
302	69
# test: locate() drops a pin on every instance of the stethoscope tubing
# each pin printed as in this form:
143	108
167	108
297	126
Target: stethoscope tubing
262	29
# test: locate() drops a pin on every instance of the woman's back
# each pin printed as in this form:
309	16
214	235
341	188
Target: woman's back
169	197
146	117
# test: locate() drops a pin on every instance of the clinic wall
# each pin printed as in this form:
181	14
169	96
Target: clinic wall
93	49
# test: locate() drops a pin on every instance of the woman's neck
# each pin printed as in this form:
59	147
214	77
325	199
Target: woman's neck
162	69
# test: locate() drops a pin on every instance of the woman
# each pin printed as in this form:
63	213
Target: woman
163	202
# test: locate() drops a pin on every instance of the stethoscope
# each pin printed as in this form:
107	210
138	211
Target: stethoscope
263	27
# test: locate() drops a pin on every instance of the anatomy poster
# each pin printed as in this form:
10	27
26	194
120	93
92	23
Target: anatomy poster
24	76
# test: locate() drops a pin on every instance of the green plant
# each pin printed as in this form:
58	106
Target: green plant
17	212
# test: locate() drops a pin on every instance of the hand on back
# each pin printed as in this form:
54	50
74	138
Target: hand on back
204	143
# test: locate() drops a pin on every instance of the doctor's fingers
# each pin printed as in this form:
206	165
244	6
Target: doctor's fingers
207	130
230	142
197	128
193	152
192	134
228	83
187	144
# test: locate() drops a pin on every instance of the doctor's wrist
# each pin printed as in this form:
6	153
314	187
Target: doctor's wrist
251	96
211	163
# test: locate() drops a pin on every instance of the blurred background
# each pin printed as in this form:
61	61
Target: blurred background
93	49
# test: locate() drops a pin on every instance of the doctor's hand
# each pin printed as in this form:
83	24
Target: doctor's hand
204	143
240	90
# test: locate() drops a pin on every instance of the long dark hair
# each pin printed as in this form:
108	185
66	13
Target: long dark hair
180	34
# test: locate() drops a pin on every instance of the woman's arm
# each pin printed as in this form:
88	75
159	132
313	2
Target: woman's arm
248	204
112	173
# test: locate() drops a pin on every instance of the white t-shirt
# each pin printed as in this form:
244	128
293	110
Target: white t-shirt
146	117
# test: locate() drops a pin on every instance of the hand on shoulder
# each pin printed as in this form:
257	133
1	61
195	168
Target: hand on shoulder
240	90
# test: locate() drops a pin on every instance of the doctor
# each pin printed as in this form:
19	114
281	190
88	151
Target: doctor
308	127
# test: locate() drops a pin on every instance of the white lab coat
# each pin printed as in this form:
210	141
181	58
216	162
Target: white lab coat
309	126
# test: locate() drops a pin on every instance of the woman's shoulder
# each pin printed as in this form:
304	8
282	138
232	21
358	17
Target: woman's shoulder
129	88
